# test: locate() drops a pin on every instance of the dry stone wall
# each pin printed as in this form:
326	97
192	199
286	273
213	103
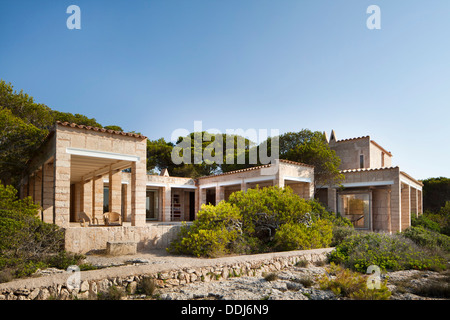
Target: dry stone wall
98	282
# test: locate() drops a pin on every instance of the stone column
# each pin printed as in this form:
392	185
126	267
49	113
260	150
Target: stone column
396	206
405	207
220	194
414	203
97	199
115	191
167	203
243	185
47	192
138	189
61	216
332	199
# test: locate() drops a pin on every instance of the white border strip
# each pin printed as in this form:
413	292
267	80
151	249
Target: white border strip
102	154
368	183
299	179
411	183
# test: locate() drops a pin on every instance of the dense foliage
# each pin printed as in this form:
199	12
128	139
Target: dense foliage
436	191
23	126
311	147
347	283
389	252
26	242
438	221
258	220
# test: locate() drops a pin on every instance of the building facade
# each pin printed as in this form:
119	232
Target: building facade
82	176
374	195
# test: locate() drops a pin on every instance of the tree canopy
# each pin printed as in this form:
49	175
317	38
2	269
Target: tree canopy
24	124
311	147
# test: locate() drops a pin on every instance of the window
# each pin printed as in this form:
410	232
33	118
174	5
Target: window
151	205
382	159
361	161
356	208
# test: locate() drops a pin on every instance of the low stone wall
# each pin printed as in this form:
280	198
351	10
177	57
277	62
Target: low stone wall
151	236
172	274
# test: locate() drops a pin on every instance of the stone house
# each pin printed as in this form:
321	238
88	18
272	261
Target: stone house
80	173
374	195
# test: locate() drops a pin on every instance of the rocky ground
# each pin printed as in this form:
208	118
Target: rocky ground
299	283
286	283
294	283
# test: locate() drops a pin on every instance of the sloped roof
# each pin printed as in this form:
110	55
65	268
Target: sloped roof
82	126
258	167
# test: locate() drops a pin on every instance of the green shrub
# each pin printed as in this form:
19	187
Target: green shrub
426	221
292	236
389	252
264	210
25	241
212	234
346	283
340	233
427	238
255	221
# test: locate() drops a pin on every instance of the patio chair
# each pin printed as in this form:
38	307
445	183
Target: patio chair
112	218
84	217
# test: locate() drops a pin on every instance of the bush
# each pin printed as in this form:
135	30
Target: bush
265	210
389	252
255	221
426	221
25	241
340	233
302	237
212	234
346	283
427	238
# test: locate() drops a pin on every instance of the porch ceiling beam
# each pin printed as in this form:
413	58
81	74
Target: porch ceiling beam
102	154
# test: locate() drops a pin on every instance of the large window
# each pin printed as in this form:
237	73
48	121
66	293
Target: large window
151	205
356	208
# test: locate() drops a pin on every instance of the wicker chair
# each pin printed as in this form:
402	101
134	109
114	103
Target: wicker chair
112	218
85	218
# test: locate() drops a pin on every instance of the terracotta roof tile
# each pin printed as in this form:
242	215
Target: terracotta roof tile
367	169
82	126
258	167
350	139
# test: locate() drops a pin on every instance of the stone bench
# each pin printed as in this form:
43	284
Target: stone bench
119	248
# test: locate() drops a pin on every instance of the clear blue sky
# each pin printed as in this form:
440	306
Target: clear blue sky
154	66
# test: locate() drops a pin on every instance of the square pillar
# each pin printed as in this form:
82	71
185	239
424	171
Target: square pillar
97	198
414	203
405	207
47	192
332	199
243	185
396	206
166	207
38	187
115	191
220	194
138	193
